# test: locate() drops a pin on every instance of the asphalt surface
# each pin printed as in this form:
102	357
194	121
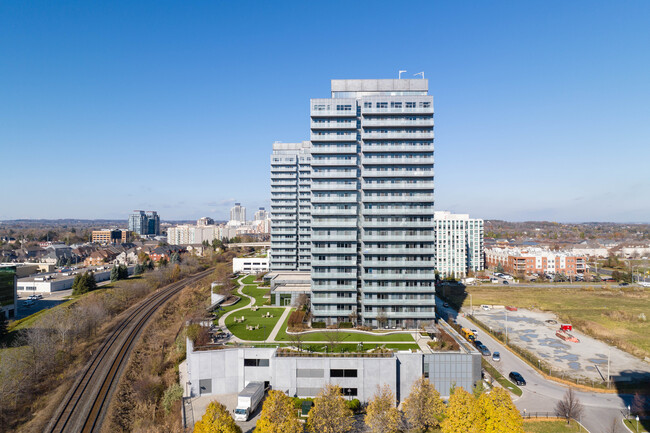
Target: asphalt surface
540	394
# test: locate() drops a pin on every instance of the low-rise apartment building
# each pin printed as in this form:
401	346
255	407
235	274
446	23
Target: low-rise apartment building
110	236
250	265
535	260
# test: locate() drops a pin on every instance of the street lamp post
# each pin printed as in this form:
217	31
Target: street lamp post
637	424
506	327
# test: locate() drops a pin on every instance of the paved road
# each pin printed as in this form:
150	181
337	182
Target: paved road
540	394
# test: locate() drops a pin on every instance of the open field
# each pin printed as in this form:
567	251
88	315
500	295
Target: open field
551	427
617	315
254	318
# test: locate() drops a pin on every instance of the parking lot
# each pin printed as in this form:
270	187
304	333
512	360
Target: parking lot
200	404
530	330
49	300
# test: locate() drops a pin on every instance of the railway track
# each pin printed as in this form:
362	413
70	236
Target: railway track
84	407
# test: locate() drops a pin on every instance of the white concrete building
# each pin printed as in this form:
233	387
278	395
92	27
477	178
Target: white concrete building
238	214
250	265
459	244
261	214
188	234
290	207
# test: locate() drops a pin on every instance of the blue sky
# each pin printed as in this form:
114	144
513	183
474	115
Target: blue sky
542	107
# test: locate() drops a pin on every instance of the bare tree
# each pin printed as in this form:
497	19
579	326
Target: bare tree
333	337
569	407
296	340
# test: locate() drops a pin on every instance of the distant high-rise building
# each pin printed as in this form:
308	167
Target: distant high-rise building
370	190
459	244
144	224
290	207
261	214
238	214
205	221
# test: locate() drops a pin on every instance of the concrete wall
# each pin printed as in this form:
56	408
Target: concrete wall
226	373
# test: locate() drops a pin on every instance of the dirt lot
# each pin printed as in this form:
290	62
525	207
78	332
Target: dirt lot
620	315
529	329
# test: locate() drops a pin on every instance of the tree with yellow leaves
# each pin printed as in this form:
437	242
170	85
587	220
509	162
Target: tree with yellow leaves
278	415
381	414
463	414
217	419
330	413
423	406
498	413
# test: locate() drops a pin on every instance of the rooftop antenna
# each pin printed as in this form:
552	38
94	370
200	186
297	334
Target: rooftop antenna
419	73
399	75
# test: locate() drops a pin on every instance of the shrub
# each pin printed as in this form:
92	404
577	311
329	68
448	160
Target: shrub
296	318
354	405
172	394
319	325
345	324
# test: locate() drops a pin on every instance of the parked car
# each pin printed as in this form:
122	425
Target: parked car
484	350
496	356
478	343
28	303
505	282
517	378
485	307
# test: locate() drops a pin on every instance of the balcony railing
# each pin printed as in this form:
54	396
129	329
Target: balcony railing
398	185
365	148
422	198
329	137
334	186
398	211
316	162
396	121
345	124
396	161
373	135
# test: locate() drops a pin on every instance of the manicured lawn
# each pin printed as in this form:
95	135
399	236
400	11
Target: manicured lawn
609	313
254	318
249	279
243	301
550	427
256	293
344	336
349	347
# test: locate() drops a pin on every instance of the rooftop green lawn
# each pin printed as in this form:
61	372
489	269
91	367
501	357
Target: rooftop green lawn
253	318
550	426
243	302
344	336
256	293
249	279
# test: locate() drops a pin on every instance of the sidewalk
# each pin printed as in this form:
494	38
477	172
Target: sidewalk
278	325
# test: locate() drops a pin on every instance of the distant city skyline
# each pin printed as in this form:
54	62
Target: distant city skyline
541	108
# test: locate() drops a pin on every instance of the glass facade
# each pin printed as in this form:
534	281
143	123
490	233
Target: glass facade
7	287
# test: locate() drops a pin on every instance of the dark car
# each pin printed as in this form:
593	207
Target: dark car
517	378
505	282
478	343
484	350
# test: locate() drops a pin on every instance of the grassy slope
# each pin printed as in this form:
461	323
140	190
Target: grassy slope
609	314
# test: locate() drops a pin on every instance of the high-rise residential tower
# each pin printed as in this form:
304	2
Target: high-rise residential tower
459	244
290	207
261	214
144	224
238	214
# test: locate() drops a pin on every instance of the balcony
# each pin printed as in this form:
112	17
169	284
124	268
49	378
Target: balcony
402	210
403	109
335	124
332	275
399	276
278	176
317	237
398	238
398	302
334	300
282	168
317	162
403	135
341	149
334	186
334	199
419	315
365	147
366	172
316	223
330	263
329	137
398	250
333	211
396	121
397	161
334	250
399	263
423	184
336	174
397	224
397	199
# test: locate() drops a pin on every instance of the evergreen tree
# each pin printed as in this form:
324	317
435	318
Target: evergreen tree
115	274
123	272
84	283
138	269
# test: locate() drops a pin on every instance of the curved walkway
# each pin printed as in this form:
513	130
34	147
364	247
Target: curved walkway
222	319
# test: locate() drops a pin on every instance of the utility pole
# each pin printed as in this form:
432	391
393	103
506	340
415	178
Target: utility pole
609	354
506	327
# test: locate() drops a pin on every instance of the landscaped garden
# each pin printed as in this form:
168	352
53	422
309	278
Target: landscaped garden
256	326
255	292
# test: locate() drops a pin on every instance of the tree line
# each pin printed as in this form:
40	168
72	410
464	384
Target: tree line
422	411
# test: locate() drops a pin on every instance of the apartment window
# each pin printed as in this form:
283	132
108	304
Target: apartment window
343	373
382	104
410	105
249	362
320	107
367	104
344	108
425	104
395	105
